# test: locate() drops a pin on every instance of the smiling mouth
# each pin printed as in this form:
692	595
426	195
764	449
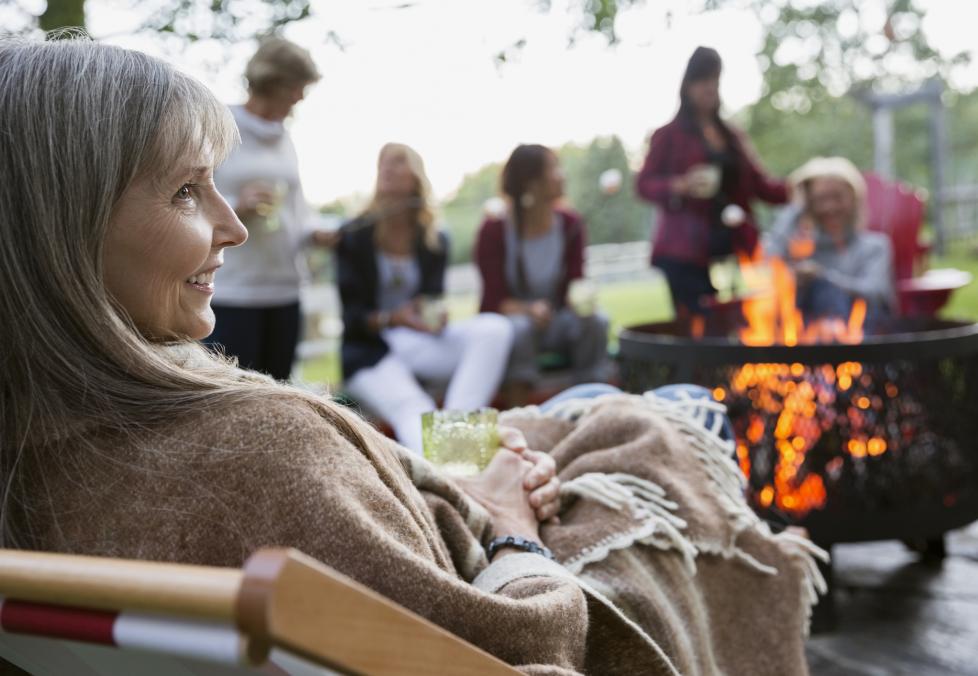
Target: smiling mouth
203	281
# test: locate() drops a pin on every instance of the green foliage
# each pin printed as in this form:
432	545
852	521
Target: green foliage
843	126
818	57
962	122
190	20
596	15
813	51
227	20
62	14
463	213
832	126
620	217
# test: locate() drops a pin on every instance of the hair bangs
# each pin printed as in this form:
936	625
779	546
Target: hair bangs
196	129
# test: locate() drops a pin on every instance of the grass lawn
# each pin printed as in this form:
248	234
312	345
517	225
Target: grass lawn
630	303
964	302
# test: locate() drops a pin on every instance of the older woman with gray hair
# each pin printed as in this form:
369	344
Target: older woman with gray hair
121	436
257	303
824	237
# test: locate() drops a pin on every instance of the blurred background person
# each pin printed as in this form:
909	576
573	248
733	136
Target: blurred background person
824	238
391	276
703	175
257	303
528	258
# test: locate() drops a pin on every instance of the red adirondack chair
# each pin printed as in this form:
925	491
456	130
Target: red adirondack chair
898	210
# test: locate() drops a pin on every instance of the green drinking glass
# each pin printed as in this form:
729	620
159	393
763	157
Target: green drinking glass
460	443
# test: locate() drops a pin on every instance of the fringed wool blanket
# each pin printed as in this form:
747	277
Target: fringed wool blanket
663	568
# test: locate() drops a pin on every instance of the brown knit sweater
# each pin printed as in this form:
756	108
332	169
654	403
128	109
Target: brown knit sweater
215	487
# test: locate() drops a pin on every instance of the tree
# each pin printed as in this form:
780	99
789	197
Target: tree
463	213
616	217
232	20
834	47
190	20
818	57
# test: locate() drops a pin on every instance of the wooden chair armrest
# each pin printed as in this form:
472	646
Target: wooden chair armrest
292	601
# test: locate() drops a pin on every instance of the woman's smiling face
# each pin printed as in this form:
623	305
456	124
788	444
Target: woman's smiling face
165	241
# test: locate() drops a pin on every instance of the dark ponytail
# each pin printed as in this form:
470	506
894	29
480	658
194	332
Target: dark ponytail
526	163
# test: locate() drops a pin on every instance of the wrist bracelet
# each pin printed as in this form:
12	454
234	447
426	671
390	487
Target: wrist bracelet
518	542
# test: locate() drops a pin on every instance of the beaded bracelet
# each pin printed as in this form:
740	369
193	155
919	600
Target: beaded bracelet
518	542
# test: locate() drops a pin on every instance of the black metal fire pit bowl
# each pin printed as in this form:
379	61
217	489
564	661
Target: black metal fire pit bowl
913	393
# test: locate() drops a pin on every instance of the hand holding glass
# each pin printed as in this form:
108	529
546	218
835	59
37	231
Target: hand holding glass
433	312
704	180
582	295
269	207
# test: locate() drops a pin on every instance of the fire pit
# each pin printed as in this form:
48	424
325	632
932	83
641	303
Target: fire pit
867	441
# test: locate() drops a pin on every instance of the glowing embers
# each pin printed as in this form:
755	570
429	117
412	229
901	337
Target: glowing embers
788	410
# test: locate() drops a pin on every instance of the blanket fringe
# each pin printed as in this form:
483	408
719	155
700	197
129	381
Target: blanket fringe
658	525
689	415
815	584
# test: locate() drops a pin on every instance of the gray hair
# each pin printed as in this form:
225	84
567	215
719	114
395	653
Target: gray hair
79	121
279	62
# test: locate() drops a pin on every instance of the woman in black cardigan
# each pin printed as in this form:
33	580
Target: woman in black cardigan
391	262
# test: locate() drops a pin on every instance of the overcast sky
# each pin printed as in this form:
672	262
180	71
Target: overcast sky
426	76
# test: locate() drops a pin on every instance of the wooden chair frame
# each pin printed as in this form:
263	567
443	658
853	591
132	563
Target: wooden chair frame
280	599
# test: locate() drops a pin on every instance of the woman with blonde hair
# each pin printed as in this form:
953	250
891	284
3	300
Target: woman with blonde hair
121	436
257	304
824	237
391	273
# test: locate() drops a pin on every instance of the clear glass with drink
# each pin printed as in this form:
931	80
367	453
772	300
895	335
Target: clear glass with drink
582	296
269	209
460	443
433	312
704	180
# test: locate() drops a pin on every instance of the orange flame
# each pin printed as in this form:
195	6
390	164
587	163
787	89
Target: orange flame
773	318
790	395
801	247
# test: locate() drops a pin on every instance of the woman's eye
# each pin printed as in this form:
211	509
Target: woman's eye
185	193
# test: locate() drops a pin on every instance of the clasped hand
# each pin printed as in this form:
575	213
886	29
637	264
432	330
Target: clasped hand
519	488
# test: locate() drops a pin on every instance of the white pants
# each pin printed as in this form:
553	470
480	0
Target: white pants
470	355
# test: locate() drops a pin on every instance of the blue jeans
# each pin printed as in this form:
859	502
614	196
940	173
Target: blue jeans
671	392
820	298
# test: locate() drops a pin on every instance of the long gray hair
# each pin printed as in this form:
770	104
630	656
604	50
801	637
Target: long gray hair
79	121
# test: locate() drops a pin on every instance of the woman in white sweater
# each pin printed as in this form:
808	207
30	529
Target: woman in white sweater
257	305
